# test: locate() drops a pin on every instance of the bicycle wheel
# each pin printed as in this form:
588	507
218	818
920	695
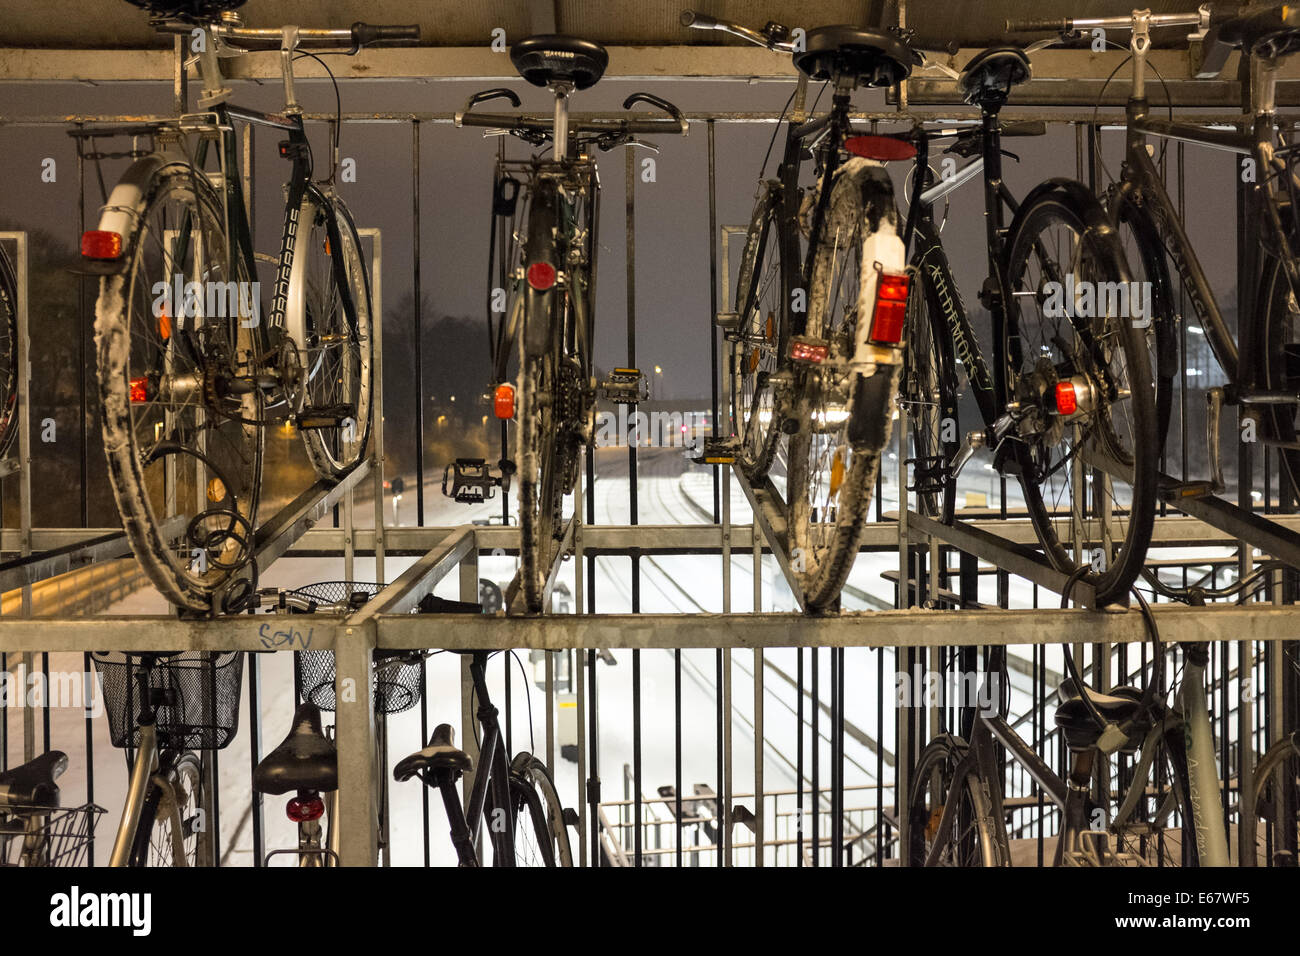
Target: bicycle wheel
929	392
973	840
171	818
760	304
1077	373
1278	328
335	348
181	422
830	475
1159	830
541	838
8	354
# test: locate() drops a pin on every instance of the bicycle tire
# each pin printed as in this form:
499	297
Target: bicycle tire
1029	373
529	775
929	392
760	295
122	338
8	354
838	409
333	350
931	788
154	834
1278	324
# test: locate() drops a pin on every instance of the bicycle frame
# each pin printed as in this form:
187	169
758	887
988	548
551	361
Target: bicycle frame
492	777
1191	732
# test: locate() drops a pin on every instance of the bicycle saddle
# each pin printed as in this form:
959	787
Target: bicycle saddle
1076	723
305	760
196	9
32	784
441	754
993	72
873	57
1265	33
551	58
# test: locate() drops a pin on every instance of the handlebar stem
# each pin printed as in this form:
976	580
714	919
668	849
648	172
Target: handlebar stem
288	44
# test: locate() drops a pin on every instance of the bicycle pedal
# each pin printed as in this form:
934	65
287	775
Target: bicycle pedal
469	481
625	386
718	451
929	474
326	416
1175	491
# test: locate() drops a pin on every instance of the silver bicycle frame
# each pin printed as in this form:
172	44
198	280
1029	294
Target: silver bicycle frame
146	763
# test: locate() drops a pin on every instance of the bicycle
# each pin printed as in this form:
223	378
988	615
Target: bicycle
514	796
957	812
818	333
189	373
1258	364
8	354
548	325
1067	404
306	762
34	830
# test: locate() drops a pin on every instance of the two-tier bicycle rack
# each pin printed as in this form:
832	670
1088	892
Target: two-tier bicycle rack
445	554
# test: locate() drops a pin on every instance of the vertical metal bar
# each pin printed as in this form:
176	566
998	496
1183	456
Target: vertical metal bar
254	663
593	782
82	356
355	728
636	758
377	390
798	755
725	798
677	749
417	321
713	307
23	265
814	707
91	688
629	184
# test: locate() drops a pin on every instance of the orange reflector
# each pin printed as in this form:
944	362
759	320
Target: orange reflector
541	276
503	401
1067	403
139	391
808	351
97	244
890	314
880	148
164	325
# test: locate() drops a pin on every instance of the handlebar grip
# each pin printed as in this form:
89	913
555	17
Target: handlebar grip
1057	25
368	34
659	103
699	21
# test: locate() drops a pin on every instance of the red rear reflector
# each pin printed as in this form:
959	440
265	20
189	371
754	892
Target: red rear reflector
1067	403
541	276
139	389
503	401
808	351
880	148
97	244
890	314
304	810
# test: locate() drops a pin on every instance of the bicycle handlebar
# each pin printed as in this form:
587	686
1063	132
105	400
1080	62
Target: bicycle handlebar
357	36
676	123
772	36
1069	24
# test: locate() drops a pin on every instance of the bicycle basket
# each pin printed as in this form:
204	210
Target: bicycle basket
40	836
397	683
195	696
189	9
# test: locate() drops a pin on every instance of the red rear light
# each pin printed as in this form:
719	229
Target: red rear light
804	351
541	276
890	314
1067	402
503	401
305	809
97	244
880	148
139	391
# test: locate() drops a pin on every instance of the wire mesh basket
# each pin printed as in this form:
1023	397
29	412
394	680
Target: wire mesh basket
194	696
40	836
398	676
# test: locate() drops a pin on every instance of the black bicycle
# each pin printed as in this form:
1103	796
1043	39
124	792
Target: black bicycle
514	797
1067	405
550	280
820	305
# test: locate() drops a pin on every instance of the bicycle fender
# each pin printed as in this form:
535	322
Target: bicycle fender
872	416
121	214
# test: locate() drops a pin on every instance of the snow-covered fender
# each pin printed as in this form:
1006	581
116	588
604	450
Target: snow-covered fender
121	214
882	251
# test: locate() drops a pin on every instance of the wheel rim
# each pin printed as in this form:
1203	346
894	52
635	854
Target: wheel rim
163	838
760	347
198	442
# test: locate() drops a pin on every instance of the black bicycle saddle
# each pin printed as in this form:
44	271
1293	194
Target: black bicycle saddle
441	754
1081	731
305	760
873	57
552	58
993	72
32	784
